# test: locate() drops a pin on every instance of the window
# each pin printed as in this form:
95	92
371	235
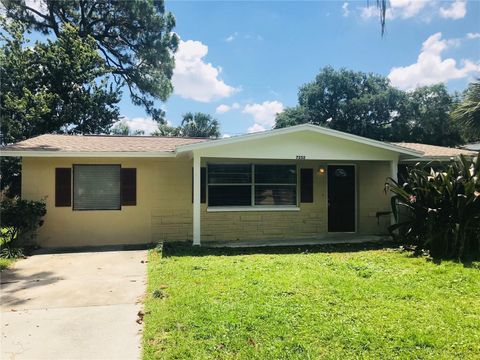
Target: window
252	185
275	185
229	185
96	187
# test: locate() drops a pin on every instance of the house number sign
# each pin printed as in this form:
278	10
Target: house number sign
301	157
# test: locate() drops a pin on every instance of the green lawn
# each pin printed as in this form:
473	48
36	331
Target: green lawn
309	303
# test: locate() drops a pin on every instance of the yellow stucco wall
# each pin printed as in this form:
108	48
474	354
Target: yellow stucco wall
163	191
164	206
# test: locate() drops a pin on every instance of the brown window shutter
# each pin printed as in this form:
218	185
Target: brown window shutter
128	186
203	185
63	187
306	185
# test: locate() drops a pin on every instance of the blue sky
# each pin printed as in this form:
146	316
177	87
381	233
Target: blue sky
244	61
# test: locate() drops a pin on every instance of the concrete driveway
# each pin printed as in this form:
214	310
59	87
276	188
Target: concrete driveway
73	306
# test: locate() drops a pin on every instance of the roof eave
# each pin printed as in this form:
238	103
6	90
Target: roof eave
99	154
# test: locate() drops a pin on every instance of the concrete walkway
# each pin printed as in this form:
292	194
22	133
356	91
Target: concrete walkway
73	306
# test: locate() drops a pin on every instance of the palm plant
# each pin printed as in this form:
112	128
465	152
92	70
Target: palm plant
440	210
199	125
467	112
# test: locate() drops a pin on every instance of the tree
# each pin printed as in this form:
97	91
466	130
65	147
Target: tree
467	113
134	37
428	117
122	128
193	125
345	100
367	105
199	125
53	87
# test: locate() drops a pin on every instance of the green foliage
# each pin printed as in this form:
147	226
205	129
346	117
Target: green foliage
57	86
439	210
9	252
19	219
198	125
122	128
427	111
345	100
467	113
367	105
135	39
342	302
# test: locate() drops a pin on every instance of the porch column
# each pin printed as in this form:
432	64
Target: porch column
394	176
196	199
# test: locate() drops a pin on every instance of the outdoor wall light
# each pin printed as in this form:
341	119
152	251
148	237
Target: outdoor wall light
321	170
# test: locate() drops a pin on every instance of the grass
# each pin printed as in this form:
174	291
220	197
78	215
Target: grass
309	303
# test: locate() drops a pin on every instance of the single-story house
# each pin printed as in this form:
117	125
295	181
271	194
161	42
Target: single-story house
299	182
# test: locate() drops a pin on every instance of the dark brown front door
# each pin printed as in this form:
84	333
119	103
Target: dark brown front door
341	198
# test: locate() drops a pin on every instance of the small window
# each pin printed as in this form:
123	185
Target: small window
96	187
229	185
275	185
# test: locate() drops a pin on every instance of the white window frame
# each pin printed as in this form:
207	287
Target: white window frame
253	206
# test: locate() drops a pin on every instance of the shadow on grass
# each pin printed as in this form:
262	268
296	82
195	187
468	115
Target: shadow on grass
177	249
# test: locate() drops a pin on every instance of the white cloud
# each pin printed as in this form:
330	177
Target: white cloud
256	128
457	10
223	108
430	68
406	8
145	124
397	9
195	79
424	9
368	12
264	113
231	37
472	36
345	10
38	5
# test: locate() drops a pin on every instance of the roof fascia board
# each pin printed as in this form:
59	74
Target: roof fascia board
436	158
99	154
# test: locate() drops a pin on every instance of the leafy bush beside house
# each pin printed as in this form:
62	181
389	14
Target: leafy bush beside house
440	209
18	221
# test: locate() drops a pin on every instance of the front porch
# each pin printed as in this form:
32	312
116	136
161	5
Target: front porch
259	204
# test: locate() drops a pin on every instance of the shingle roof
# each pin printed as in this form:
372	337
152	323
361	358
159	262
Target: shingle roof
101	143
432	151
472	146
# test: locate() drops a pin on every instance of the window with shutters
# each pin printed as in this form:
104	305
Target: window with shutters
252	185
96	187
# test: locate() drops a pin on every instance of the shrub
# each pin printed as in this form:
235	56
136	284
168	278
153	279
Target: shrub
19	219
439	210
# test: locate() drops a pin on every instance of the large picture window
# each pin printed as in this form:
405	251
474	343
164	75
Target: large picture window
96	187
252	185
